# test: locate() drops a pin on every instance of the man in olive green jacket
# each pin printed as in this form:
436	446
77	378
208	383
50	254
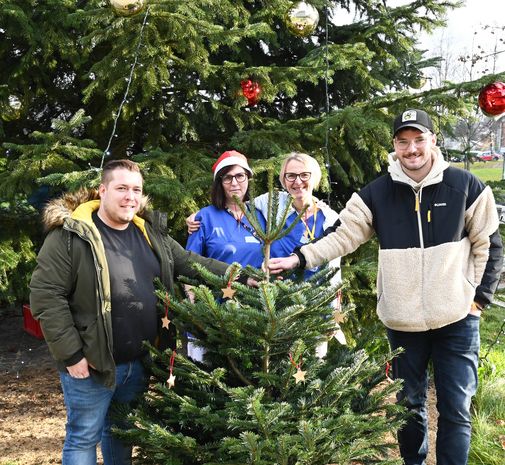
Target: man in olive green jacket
93	293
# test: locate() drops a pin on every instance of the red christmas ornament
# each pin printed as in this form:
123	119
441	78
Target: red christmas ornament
492	99
251	90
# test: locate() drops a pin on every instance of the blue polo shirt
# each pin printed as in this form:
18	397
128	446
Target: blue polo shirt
224	238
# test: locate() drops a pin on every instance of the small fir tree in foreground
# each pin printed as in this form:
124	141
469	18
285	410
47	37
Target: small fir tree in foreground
262	396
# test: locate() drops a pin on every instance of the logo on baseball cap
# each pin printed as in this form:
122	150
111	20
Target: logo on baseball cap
413	118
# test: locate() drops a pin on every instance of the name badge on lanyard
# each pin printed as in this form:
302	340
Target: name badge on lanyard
309	234
304	239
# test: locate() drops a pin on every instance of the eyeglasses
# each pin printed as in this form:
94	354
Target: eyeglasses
404	144
291	177
228	178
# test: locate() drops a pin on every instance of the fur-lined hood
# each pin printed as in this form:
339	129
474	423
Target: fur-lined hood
66	206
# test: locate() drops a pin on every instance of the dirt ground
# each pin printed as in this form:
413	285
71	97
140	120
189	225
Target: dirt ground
32	414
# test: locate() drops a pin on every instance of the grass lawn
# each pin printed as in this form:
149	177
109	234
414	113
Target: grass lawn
488	420
485	170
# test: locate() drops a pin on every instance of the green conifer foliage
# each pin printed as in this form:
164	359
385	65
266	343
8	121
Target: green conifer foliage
186	61
261	395
337	416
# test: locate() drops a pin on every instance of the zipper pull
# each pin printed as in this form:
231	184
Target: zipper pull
429	216
417	202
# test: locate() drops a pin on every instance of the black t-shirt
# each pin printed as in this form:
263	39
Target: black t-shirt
132	268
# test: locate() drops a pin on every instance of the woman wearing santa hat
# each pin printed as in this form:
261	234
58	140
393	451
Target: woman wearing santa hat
225	233
300	174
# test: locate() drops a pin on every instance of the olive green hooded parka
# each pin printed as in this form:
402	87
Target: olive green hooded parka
70	291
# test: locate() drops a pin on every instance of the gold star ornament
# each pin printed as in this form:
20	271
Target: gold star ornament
299	375
338	317
228	292
165	322
171	381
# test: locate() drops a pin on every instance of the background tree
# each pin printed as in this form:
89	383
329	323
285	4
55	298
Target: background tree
470	131
469	127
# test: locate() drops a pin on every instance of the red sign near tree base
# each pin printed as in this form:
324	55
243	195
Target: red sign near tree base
30	324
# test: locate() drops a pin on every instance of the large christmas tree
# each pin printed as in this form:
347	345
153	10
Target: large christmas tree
80	83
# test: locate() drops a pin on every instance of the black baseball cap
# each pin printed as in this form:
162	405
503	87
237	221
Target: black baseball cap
413	118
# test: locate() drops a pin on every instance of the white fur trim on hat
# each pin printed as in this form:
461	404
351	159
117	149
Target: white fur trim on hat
230	158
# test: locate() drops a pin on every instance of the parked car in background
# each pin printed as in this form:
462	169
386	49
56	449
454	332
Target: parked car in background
457	156
453	155
489	155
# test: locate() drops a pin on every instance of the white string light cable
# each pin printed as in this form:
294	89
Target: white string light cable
127	90
327	97
327	106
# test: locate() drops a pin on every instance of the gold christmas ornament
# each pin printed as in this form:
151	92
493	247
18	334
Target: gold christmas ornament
127	7
419	82
165	322
338	317
302	19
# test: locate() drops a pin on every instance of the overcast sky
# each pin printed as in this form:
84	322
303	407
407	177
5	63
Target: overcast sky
466	31
464	34
474	15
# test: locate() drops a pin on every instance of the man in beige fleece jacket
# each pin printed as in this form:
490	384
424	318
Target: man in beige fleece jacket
440	259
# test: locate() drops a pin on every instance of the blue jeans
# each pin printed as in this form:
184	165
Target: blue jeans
88	417
454	353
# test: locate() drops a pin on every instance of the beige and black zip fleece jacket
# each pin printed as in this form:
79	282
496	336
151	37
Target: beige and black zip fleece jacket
440	248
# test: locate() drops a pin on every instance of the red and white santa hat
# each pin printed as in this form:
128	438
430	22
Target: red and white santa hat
230	158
